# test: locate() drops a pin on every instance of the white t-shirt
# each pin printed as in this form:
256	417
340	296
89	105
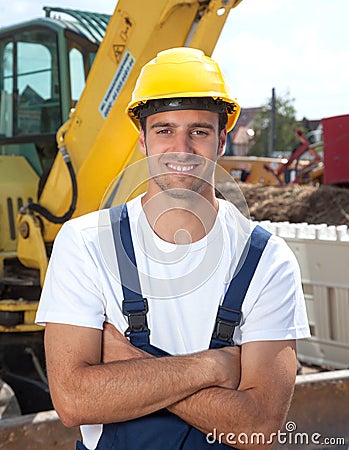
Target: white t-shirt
184	284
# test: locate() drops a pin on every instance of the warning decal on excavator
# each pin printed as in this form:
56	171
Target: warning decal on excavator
118	51
116	85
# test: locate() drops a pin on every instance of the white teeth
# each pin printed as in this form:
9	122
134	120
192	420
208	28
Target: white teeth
180	168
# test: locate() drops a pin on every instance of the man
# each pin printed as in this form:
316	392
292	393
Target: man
162	372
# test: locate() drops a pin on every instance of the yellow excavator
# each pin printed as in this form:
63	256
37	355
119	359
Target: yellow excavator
77	69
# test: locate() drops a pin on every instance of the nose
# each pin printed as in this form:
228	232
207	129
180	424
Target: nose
183	144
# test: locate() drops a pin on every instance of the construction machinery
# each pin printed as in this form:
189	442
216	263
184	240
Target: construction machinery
313	161
305	163
77	69
303	166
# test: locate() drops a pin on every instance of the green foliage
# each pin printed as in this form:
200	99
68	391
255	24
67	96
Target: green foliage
285	124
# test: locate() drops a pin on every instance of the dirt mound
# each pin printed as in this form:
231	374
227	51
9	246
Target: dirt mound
297	203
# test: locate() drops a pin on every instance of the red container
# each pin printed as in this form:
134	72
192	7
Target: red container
336	149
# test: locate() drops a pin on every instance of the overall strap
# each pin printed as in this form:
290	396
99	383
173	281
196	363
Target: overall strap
134	306
229	313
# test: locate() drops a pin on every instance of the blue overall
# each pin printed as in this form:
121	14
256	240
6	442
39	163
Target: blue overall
163	429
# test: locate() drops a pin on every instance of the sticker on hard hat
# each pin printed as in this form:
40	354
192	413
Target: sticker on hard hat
116	85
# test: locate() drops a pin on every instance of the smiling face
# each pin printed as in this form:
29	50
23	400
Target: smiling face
182	147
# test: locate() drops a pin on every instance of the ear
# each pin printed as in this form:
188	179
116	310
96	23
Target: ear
222	142
142	145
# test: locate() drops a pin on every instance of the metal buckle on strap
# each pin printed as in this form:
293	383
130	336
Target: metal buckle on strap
136	316
224	328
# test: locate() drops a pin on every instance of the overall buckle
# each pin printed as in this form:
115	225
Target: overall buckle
136	312
224	328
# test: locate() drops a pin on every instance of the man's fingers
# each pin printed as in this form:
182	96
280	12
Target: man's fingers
110	330
116	347
234	349
229	365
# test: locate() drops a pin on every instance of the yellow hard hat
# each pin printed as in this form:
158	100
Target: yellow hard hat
183	73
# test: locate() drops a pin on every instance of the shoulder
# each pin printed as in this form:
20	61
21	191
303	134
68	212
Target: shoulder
90	225
277	252
87	237
82	223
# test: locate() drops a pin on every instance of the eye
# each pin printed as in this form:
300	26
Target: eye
163	131
200	132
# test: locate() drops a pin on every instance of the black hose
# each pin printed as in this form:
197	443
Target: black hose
44	211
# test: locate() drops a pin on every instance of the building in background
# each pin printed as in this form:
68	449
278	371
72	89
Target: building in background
239	139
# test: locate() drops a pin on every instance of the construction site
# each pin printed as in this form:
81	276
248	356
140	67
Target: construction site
60	115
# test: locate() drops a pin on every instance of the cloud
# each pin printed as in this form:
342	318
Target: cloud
299	58
255	64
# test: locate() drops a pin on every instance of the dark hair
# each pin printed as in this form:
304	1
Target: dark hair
222	122
143	110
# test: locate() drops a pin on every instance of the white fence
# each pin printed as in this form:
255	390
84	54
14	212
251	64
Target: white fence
323	255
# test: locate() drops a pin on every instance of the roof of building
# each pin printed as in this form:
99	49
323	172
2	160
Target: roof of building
245	119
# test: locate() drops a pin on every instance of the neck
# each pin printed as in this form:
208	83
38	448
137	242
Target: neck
178	220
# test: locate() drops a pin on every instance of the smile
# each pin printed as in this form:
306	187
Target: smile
180	168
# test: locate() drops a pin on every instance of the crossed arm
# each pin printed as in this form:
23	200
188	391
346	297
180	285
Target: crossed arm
205	389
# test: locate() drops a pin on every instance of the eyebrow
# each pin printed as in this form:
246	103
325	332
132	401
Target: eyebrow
191	125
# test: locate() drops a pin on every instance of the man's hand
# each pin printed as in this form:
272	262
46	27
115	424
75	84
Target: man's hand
228	365
116	347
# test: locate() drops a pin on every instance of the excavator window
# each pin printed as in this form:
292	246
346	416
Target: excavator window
77	75
29	84
6	99
81	54
43	72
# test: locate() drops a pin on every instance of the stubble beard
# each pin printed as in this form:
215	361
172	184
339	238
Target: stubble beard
188	191
186	187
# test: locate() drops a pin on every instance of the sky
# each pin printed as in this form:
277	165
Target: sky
298	47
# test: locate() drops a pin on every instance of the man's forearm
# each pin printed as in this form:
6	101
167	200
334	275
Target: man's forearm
213	407
132	388
219	412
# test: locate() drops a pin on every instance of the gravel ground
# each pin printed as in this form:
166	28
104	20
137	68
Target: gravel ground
295	203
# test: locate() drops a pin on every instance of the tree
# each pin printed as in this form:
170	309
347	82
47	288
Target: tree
285	124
